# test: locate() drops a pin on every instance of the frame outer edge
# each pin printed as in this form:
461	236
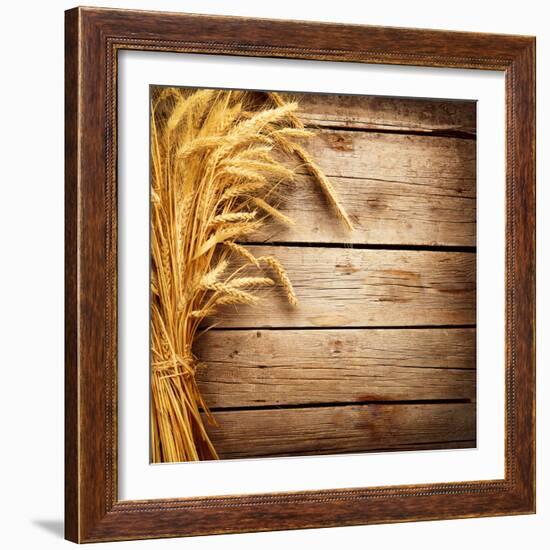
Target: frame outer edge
90	387
525	300
72	448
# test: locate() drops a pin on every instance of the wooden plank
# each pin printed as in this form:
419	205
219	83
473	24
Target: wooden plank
289	367
386	113
352	287
393	213
434	446
397	189
352	428
437	165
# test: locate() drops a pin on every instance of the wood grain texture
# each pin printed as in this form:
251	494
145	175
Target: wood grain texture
382	212
72	419
339	429
448	117
92	476
352	287
521	277
397	189
289	367
442	165
429	199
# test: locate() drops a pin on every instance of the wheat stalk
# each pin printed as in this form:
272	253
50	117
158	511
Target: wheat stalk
297	130
214	176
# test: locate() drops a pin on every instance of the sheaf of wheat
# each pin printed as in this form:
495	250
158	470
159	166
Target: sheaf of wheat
218	166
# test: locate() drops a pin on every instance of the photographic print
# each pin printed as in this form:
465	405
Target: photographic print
313	274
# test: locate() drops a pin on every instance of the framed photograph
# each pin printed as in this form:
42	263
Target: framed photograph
300	275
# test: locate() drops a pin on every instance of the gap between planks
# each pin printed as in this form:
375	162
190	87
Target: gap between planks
365	246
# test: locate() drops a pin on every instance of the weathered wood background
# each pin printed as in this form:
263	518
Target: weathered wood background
380	352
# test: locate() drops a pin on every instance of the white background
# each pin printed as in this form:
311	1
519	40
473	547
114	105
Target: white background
31	218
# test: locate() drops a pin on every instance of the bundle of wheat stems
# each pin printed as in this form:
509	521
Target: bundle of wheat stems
218	164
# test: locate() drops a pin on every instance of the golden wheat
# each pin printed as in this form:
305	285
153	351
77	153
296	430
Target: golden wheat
216	168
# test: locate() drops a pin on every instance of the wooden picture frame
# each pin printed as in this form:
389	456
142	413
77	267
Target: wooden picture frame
93	511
